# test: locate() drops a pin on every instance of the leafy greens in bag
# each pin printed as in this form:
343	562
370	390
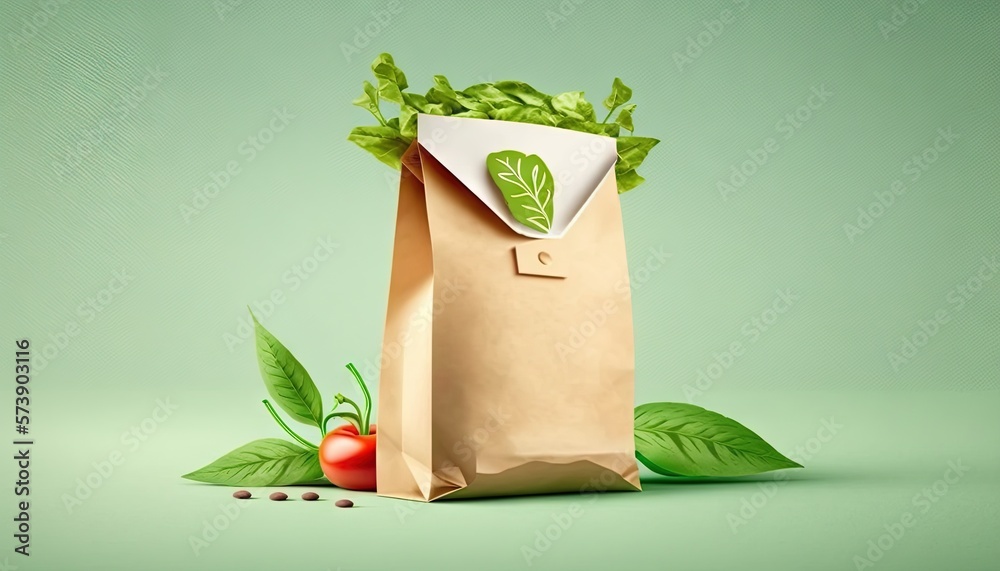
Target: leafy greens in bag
501	100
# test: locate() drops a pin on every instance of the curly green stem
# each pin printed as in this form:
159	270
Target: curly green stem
288	430
350	417
366	419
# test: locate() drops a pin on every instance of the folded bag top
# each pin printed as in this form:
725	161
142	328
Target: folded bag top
579	162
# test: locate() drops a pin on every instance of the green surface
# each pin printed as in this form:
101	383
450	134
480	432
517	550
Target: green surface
753	300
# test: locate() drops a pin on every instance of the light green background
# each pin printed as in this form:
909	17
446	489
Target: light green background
63	234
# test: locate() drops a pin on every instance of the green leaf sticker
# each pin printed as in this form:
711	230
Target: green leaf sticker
527	186
678	439
265	462
287	381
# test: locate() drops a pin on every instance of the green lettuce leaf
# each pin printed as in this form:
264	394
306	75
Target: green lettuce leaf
620	94
391	80
632	151
525	93
503	101
526	114
408	122
628	180
624	118
386	143
572	104
369	99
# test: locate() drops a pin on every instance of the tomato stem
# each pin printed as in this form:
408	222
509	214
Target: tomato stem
341	399
350	417
281	423
366	418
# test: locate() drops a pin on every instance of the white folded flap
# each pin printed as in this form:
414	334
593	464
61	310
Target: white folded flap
579	162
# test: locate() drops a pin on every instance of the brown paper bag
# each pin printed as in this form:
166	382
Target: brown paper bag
519	379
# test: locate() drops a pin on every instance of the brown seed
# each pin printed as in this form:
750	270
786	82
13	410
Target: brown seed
279	496
310	496
344	504
242	495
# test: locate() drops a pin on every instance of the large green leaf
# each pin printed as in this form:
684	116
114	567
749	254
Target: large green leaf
265	462
386	143
620	94
573	104
527	187
679	439
287	381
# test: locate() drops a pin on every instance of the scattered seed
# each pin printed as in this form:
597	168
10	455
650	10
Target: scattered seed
344	504
242	495
279	496
310	496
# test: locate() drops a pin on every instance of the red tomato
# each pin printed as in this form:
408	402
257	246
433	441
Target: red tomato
348	459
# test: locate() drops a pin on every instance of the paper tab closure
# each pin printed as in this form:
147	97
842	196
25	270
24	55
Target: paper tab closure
541	258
